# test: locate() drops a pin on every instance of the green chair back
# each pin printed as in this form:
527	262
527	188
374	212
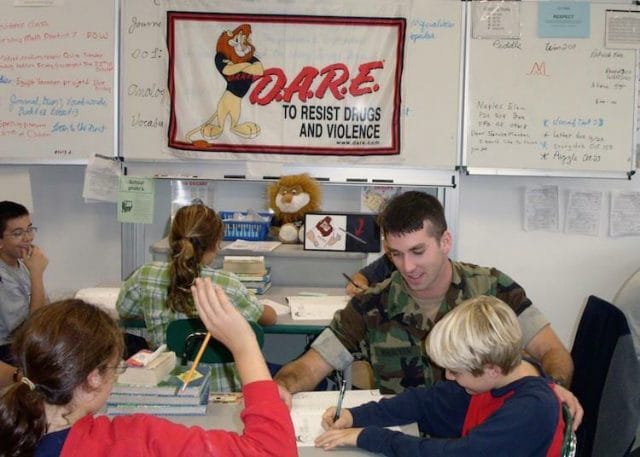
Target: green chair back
185	336
569	442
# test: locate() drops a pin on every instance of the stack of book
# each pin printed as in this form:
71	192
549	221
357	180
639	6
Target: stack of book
155	389
251	270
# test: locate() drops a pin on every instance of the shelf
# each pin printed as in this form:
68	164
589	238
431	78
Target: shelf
161	248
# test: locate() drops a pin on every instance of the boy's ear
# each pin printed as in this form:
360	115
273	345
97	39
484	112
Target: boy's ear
492	370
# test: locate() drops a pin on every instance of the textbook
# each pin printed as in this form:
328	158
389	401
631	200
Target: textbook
121	399
158	410
258	288
244	264
250	277
170	384
152	373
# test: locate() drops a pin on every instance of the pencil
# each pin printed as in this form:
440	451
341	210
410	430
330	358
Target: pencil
196	361
346	276
343	389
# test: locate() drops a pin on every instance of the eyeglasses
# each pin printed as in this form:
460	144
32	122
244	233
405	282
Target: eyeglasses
20	233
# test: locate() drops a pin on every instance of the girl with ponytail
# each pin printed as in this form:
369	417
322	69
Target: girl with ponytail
160	291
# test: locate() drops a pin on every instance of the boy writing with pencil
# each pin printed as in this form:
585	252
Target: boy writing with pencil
493	402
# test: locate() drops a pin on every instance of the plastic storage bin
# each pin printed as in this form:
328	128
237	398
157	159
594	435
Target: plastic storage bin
245	230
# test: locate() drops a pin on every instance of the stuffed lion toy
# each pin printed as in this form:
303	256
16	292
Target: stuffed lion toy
290	198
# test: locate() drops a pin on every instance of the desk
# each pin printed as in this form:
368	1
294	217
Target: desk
226	416
287	338
285	325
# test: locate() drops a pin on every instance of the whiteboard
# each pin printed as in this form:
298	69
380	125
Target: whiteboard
57	80
431	83
549	105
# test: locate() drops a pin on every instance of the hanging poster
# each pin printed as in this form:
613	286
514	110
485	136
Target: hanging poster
285	83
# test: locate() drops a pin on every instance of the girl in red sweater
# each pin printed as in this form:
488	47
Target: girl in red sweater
69	354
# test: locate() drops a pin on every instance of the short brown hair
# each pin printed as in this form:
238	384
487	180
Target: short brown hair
410	211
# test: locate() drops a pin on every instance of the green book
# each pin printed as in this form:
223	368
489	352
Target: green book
157	410
169	385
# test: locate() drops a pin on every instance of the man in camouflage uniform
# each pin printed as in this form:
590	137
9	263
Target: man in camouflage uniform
387	323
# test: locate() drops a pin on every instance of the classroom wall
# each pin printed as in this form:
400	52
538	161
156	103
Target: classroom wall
81	240
558	271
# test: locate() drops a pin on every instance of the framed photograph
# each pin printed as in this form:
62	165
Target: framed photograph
343	232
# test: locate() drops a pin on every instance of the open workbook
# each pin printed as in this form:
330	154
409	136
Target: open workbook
307	409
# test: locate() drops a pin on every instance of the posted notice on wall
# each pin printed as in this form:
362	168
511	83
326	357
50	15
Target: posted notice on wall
135	200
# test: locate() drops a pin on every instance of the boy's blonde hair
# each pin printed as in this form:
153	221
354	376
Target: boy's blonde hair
479	331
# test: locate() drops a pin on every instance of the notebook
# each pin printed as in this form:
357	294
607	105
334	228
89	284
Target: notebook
307	409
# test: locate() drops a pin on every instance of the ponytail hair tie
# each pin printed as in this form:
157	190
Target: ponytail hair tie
28	382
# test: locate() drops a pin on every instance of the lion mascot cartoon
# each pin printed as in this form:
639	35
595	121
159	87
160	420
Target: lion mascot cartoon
239	67
290	198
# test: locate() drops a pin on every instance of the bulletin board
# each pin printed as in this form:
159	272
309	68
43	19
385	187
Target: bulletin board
543	104
57	80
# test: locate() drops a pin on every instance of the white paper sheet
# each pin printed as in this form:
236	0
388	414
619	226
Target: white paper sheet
313	308
307	409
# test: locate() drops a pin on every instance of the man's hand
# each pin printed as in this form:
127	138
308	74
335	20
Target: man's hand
572	402
358	283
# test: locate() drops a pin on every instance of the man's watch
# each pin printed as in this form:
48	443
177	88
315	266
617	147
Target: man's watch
561	382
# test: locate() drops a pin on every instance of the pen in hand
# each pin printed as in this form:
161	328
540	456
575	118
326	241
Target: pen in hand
343	389
351	281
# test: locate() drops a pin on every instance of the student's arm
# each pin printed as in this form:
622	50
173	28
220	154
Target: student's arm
224	321
36	261
439	410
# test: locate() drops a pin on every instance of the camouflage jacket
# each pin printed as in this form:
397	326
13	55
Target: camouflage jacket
384	326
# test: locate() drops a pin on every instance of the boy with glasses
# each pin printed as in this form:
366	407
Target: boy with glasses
22	266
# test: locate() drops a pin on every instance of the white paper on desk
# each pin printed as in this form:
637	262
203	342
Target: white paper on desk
256	246
316	308
104	297
307	409
279	308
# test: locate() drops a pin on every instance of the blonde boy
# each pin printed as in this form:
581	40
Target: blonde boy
493	402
